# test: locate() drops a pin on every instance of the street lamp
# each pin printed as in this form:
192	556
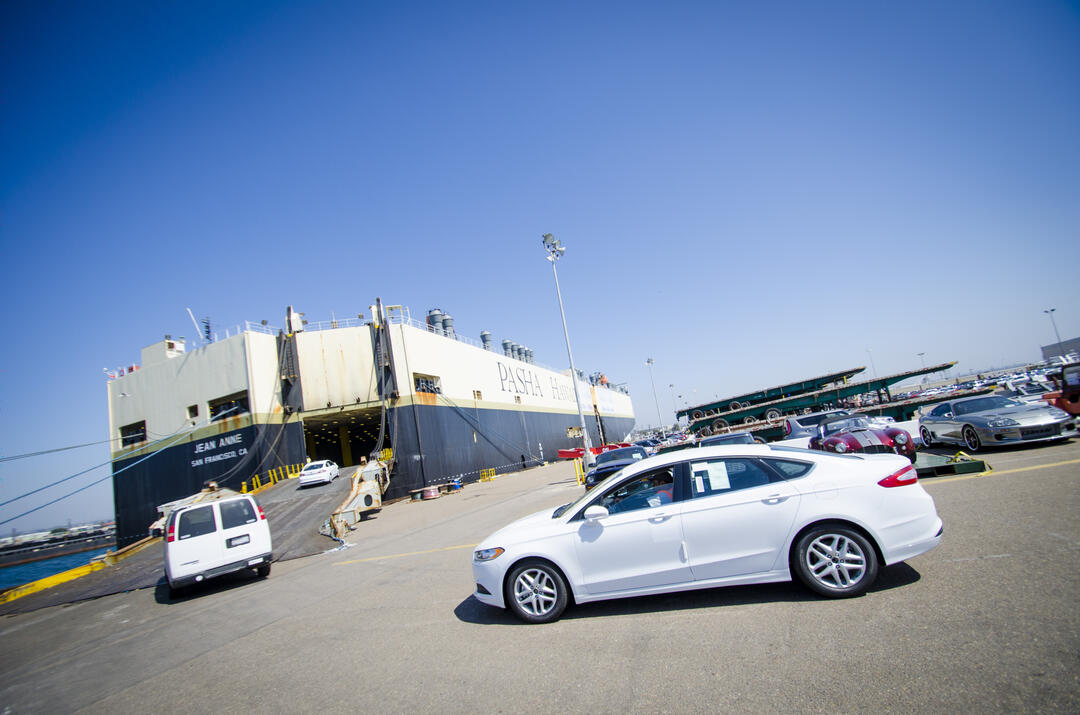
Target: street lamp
1054	323
555	249
922	359
674	405
659	419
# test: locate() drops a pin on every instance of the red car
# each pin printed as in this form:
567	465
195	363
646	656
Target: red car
854	433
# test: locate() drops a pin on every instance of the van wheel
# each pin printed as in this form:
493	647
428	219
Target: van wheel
263	570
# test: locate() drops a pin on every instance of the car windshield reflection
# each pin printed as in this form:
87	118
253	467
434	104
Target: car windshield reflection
982	404
848	424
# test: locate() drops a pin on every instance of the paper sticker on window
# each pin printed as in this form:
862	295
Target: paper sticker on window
715	472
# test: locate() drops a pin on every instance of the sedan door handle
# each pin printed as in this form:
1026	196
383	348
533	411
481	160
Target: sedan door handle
774	499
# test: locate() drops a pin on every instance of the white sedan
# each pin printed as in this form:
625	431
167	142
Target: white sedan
713	516
321	472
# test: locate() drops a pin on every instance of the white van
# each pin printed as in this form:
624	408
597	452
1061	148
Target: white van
210	539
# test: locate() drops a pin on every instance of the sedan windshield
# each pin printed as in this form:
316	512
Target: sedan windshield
852	423
983	404
625	453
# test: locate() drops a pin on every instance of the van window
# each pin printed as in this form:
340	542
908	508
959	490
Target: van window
236	513
197	522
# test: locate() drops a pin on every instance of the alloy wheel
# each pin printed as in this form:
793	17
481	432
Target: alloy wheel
835	561
536	592
971	439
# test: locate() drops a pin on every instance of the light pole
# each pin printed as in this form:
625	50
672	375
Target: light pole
674	405
922	359
872	366
555	249
659	419
1054	323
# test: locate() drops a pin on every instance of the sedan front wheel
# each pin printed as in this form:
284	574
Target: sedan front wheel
971	438
536	592
927	437
835	561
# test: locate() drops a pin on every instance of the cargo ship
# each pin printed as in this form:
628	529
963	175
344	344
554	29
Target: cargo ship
435	405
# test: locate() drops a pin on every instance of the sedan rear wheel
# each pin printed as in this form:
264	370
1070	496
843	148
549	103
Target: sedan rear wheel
971	438
835	561
927	438
536	592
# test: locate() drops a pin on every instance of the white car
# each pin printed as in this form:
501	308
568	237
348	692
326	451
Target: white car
713	516
321	472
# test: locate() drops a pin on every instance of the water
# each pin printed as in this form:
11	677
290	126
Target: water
25	573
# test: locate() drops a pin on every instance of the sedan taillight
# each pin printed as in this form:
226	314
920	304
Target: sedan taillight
901	478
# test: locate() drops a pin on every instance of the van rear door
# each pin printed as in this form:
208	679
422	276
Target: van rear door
243	536
197	546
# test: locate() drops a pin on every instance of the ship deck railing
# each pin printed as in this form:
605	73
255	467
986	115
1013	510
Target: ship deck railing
406	319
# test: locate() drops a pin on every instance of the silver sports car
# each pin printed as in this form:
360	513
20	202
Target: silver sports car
976	422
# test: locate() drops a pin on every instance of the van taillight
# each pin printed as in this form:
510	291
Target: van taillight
901	478
261	514
172	533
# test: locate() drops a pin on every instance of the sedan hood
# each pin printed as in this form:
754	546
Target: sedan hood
612	466
520	529
1024	414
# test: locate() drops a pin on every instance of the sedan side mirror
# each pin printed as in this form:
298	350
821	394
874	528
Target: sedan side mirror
595	512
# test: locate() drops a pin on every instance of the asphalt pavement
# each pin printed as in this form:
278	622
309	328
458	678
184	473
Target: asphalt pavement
988	621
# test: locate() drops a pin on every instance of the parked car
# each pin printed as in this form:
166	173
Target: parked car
844	434
650	445
607	463
1026	390
976	422
730	438
1067	394
321	472
736	515
206	540
806	425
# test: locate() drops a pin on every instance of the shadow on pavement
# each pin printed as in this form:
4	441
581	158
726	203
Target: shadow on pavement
219	584
473	611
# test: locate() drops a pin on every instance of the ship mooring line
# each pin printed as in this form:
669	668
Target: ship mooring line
1000	471
408	553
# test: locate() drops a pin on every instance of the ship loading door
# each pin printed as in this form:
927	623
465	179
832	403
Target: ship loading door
343	436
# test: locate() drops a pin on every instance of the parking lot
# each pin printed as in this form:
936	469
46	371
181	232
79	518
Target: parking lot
987	621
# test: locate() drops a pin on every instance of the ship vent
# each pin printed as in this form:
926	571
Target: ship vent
435	321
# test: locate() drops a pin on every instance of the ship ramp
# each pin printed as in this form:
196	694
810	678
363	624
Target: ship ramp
295	517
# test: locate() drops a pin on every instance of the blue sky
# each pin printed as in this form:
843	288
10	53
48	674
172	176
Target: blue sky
749	192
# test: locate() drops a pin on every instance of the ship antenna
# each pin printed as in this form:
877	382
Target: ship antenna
198	330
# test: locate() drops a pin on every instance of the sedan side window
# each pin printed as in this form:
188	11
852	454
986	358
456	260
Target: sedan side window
651	489
941	410
717	476
789	468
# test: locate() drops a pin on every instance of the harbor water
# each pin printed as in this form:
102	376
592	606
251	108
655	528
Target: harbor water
25	573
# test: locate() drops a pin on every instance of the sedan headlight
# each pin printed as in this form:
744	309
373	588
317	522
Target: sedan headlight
1002	422
488	554
901	438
